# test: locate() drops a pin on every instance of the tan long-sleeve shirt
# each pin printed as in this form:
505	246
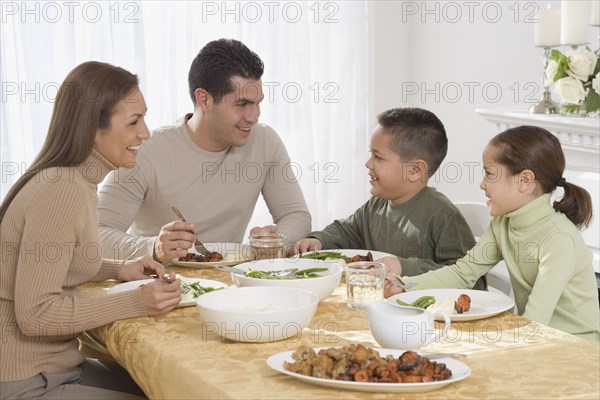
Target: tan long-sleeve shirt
49	245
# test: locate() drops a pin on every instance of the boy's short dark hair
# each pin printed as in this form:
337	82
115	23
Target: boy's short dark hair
217	62
416	134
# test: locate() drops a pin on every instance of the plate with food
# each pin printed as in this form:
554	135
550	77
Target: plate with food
197	288
228	254
347	368
348	255
459	304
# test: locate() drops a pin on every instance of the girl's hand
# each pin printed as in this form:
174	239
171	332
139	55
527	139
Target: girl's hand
160	297
393	268
140	268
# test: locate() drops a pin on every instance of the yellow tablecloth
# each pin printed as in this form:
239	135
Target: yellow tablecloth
176	357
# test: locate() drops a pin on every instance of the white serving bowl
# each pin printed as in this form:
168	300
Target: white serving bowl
322	286
256	314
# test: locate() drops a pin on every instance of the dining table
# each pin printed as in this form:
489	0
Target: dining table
176	356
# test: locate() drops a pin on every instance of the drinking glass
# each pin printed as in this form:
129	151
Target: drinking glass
364	282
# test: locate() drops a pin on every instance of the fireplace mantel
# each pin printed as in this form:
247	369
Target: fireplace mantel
580	139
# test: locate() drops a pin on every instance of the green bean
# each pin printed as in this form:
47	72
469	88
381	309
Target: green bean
421	302
310	271
323	255
283	274
198	290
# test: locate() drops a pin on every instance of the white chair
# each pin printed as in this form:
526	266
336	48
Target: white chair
478	217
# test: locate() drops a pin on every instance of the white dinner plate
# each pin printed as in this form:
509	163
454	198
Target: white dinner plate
459	372
187	299
483	304
354	252
233	254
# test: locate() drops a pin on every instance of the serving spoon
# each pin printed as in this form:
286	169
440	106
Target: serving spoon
198	244
231	269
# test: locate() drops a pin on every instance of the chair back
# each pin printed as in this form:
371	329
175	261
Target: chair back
477	215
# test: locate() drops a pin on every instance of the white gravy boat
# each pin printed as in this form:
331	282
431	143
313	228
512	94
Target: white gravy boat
406	328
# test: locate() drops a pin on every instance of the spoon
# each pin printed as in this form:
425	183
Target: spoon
198	245
231	269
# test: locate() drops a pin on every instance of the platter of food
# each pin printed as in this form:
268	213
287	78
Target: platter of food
459	304
228	254
318	276
197	288
348	255
355	367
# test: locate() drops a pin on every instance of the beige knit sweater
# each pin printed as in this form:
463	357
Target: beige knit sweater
49	245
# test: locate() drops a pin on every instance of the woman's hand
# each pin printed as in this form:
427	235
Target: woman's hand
161	297
140	268
393	268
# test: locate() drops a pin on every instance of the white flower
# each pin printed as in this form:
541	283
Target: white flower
582	64
596	83
570	90
551	70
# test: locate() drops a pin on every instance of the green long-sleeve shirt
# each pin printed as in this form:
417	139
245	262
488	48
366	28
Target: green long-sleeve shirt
426	233
549	265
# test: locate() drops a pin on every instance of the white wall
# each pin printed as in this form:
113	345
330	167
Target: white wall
457	56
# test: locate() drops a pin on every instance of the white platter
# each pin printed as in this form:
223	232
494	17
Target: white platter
187	300
233	254
459	370
354	252
483	304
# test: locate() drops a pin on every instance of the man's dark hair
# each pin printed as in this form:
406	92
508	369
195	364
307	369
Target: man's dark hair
217	62
416	134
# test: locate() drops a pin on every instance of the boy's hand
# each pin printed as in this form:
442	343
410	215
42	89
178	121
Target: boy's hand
393	268
305	245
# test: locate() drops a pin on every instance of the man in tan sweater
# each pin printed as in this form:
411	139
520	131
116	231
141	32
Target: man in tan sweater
212	164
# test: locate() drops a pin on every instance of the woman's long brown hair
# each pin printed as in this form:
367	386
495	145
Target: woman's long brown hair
84	103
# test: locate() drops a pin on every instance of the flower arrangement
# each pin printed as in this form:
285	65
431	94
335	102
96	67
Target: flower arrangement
576	79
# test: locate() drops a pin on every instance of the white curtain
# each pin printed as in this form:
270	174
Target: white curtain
315	80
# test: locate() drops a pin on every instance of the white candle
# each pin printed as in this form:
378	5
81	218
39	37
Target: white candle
573	21
546	31
595	13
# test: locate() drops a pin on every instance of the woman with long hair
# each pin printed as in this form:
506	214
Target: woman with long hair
50	244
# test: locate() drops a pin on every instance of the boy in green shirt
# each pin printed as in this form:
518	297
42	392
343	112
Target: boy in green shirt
405	217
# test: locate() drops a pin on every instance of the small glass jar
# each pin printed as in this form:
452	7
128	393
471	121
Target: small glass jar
267	246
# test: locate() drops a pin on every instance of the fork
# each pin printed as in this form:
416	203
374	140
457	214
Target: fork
401	285
198	244
166	278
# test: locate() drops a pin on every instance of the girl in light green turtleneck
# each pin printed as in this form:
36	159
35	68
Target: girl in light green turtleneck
549	264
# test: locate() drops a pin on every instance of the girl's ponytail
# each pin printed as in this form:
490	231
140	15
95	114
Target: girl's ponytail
576	204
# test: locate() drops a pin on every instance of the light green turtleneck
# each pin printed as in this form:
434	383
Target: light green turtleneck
549	265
